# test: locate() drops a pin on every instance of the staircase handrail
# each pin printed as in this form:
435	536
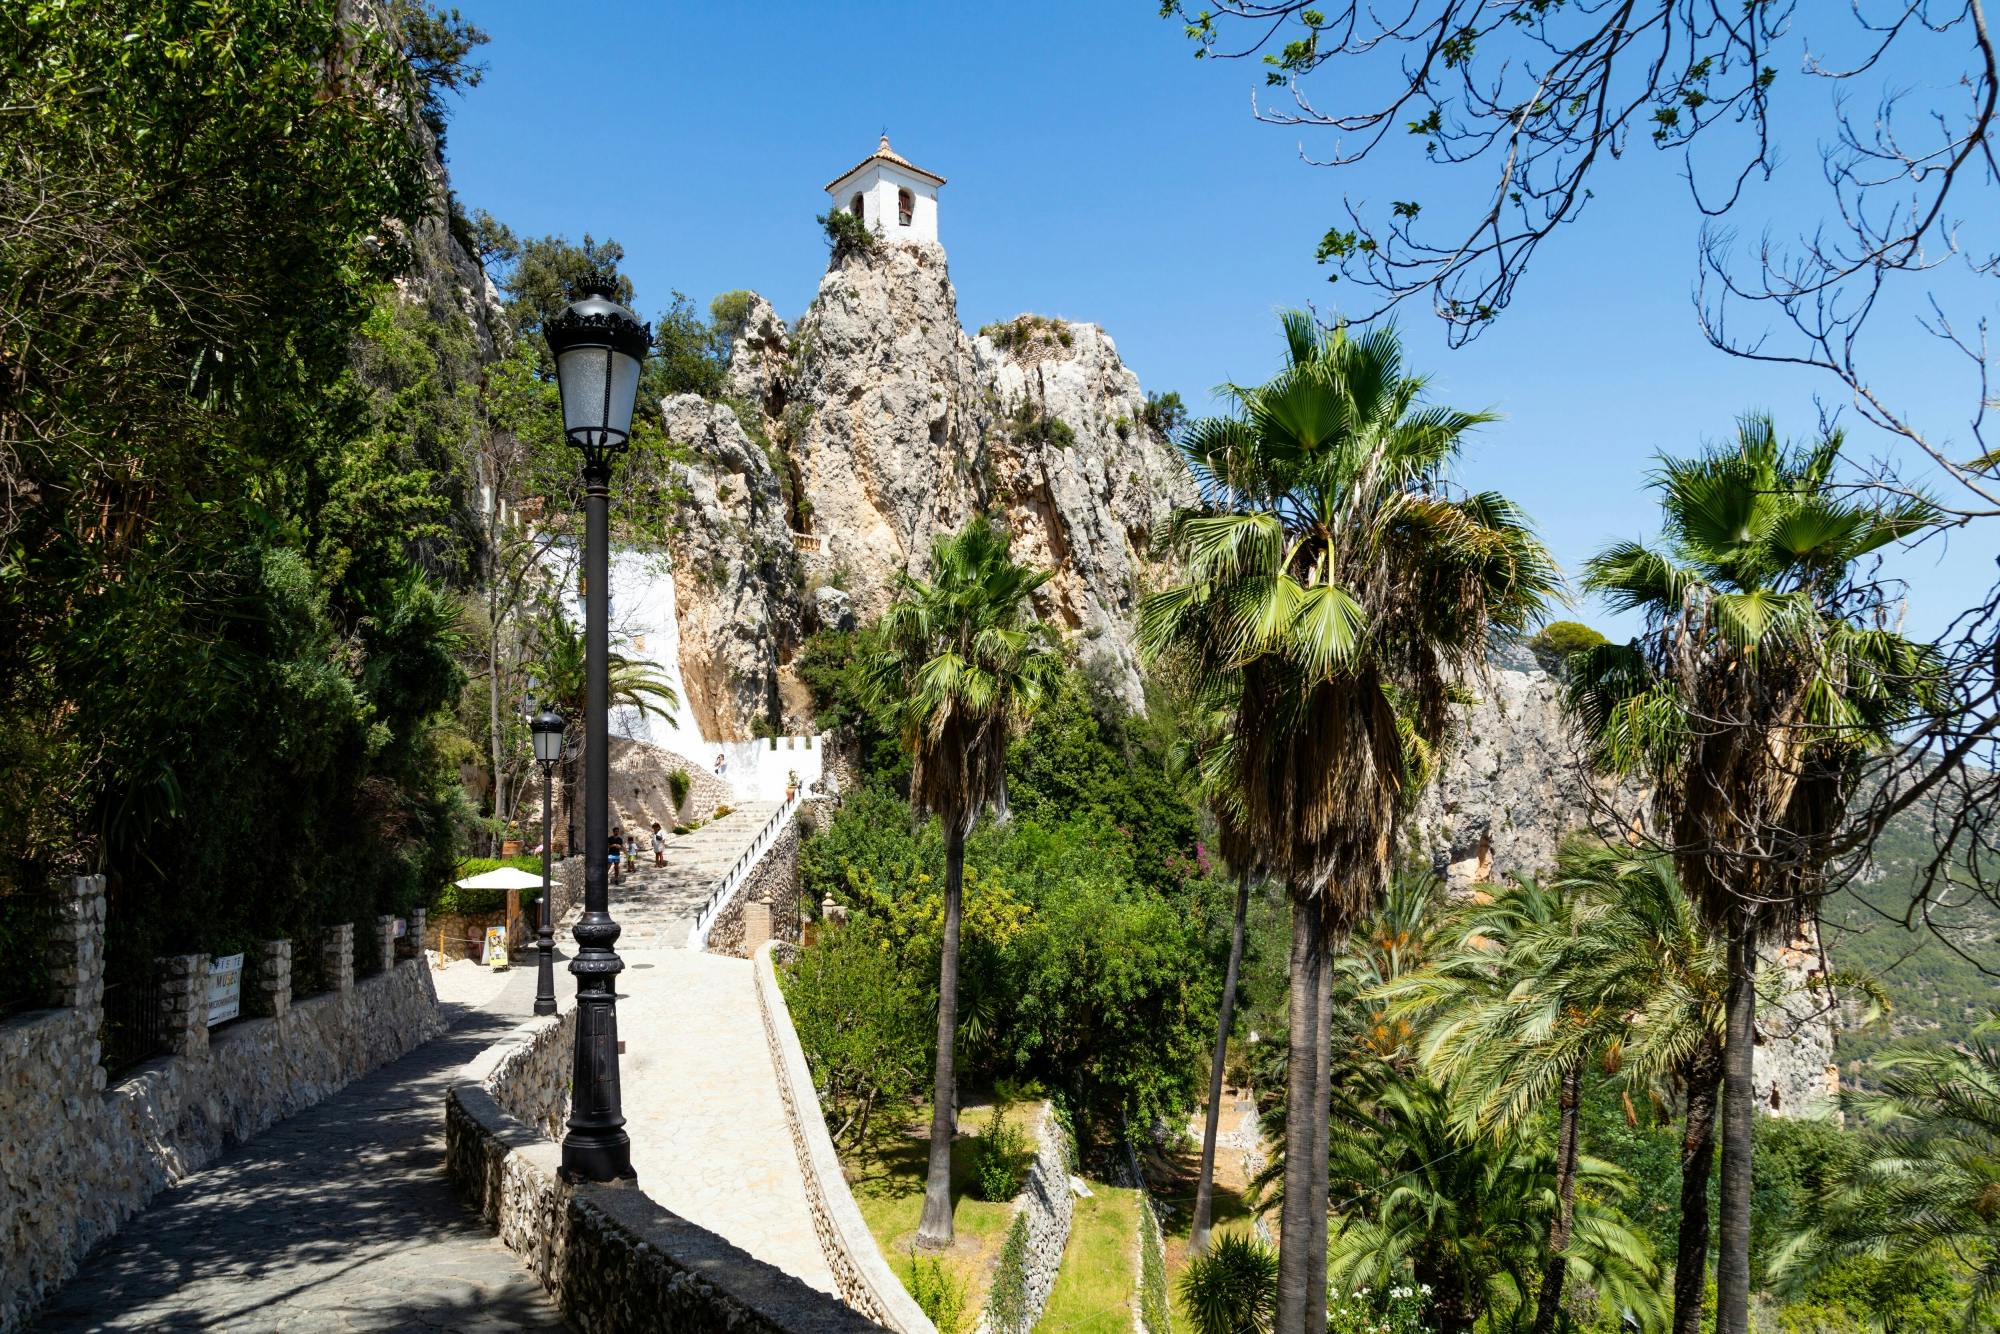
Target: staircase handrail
733	879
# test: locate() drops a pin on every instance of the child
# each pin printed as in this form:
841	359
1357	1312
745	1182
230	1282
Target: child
659	845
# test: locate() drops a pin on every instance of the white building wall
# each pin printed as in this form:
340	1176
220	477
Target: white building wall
878	185
645	626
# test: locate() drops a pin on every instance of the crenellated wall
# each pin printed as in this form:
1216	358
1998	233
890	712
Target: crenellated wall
79	1157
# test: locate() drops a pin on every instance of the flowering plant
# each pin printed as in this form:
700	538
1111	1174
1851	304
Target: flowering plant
1364	1311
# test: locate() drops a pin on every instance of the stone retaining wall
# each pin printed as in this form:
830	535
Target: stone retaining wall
528	1072
1046	1206
863	1277
612	1258
773	886
77	1158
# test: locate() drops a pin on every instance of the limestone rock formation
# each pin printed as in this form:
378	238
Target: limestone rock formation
1513	787
739	597
893	425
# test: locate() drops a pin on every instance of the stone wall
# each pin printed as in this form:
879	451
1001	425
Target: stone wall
863	1277
773	886
78	1158
1044	1207
1155	1315
528	1072
612	1258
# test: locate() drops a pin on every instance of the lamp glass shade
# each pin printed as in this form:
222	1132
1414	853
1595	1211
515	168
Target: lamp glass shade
600	385
548	729
598	346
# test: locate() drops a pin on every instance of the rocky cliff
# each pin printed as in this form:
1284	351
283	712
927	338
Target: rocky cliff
881	423
1513	787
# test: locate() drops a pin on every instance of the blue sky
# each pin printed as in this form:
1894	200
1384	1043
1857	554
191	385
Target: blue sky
1097	172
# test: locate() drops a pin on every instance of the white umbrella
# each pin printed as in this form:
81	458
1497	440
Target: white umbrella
502	877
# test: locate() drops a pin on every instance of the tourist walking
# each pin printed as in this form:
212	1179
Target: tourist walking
615	850
659	845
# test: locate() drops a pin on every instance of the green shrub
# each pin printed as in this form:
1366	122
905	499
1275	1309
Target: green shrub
846	233
1165	413
999	1159
1553	644
1007	1299
937	1292
1232	1287
678	787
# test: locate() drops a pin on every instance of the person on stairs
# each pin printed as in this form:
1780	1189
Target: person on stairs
615	850
659	845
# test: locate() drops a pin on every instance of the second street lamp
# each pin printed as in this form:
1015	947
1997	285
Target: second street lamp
598	347
548	729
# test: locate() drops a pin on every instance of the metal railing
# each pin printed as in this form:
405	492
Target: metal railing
135	1026
739	872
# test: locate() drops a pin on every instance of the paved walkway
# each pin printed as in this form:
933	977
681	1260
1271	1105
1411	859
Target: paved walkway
709	1135
339	1218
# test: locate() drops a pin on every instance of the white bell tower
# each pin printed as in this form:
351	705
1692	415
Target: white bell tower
894	196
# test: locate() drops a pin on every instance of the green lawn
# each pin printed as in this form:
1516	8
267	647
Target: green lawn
886	1174
1098	1286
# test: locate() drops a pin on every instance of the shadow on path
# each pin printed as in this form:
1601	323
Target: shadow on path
340	1218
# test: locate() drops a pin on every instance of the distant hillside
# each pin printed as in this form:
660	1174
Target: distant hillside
1938	992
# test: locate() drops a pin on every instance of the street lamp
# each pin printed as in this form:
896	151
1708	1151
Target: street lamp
598	346
548	729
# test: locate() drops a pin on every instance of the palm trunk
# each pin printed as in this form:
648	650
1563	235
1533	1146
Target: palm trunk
1322	1100
1704	1076
934	1232
1204	1190
1556	1270
1301	1085
1732	1261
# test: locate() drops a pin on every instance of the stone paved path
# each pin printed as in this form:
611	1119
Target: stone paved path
709	1136
338	1219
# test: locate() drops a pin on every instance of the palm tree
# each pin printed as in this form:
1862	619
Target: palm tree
1467	1217
1765	676
962	663
1604	963
1332	578
1929	1186
561	678
1651	952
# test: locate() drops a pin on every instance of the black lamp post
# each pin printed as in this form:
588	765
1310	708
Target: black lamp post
548	729
598	346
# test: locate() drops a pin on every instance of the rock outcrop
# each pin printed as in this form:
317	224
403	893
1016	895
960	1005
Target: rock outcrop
892	425
739	592
1513	787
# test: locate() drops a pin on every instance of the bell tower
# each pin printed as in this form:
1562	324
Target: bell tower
894	196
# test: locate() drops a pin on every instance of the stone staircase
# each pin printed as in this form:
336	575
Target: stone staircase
656	906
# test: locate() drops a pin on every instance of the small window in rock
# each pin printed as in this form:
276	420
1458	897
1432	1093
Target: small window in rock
906	207
855	207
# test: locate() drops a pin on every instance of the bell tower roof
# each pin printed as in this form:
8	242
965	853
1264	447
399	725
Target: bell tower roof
885	155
